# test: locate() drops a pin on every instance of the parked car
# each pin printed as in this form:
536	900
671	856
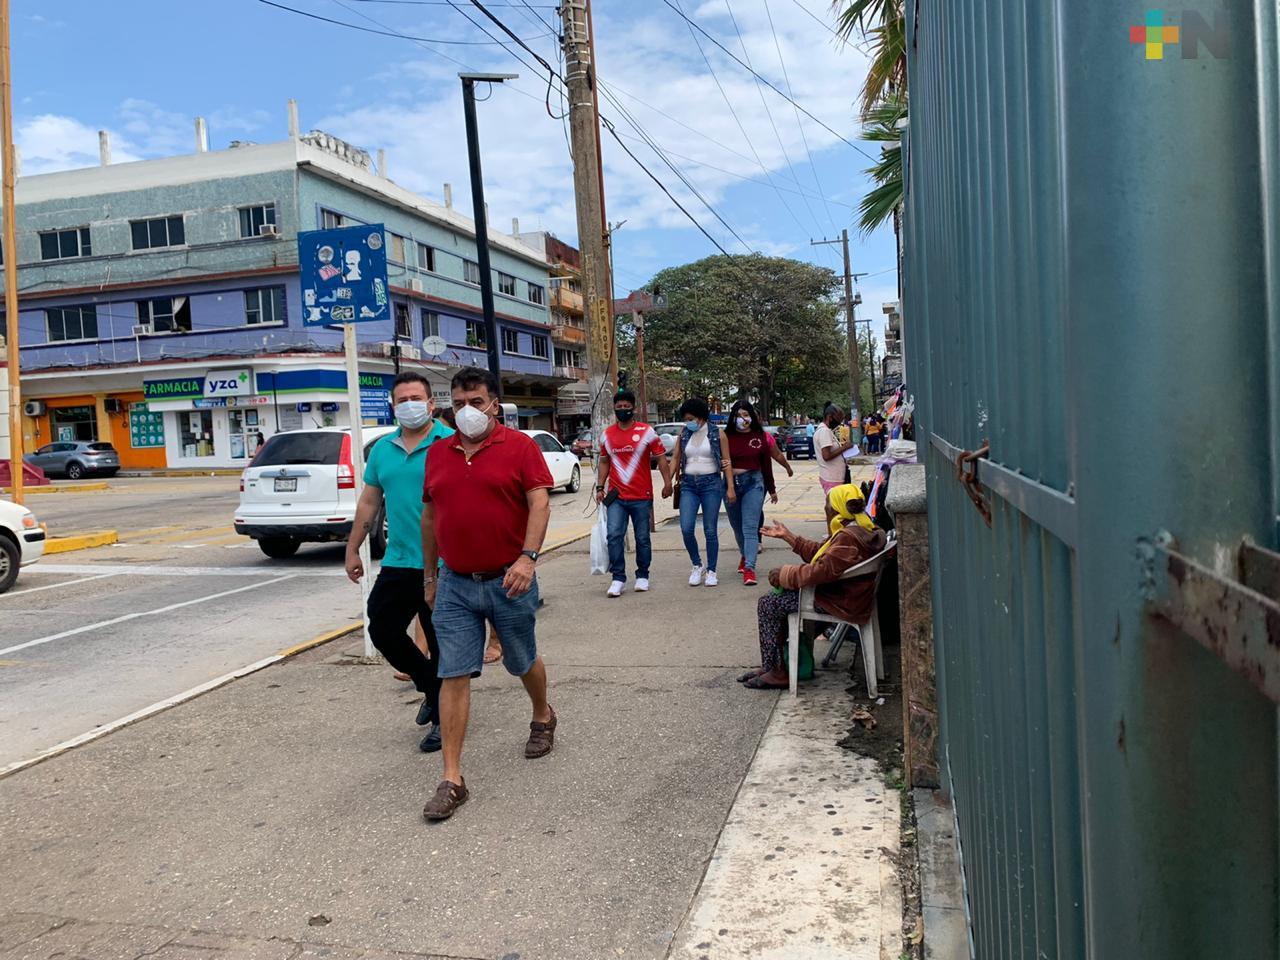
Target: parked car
563	463
669	433
21	541
76	459
301	488
796	442
581	446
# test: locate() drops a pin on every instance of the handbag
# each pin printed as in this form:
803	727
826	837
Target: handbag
675	495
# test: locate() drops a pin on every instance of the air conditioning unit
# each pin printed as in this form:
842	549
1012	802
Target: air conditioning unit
268	230
113	405
410	352
141	329
33	408
388	349
415	285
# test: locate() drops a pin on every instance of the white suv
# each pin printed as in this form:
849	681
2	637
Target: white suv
301	488
21	541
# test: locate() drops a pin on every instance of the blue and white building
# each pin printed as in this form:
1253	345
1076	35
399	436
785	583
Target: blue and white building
160	306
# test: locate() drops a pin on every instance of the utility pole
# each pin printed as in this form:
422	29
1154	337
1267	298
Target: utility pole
851	332
469	81
637	321
10	247
588	188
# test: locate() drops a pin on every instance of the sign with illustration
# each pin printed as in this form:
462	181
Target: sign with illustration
146	428
344	275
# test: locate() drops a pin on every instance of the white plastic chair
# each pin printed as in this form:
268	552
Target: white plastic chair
869	632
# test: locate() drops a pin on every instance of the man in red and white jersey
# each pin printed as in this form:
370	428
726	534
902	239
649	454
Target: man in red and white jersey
625	450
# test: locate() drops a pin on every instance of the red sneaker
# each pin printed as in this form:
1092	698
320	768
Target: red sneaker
742	564
749	578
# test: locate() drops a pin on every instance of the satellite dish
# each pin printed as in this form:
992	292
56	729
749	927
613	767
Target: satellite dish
434	345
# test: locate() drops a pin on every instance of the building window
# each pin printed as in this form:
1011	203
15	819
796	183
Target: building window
471	271
510	341
253	219
567	358
264	305
537	294
65	244
165	314
475	335
160	232
430	324
426	258
506	284
539	347
72	323
330	220
395	247
404	328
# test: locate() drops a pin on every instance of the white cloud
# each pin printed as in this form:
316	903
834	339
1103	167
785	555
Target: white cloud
49	143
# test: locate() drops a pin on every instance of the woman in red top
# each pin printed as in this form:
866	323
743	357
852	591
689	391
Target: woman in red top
752	479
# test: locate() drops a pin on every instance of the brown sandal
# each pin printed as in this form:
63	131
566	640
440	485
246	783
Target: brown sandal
541	738
449	797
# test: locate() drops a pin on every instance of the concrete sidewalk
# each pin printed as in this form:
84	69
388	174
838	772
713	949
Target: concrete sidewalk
279	817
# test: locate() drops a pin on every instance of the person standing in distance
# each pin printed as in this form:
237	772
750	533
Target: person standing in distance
829	449
485	513
625	450
393	479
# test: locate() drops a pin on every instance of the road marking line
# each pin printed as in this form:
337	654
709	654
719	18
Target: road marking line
157	570
52	586
134	616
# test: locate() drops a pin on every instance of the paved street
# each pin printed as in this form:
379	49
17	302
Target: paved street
92	636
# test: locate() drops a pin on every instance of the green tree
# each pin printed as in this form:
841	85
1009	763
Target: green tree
761	326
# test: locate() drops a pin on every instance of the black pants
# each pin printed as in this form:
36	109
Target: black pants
396	598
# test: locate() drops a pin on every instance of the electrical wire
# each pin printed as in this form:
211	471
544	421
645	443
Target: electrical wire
768	83
316	16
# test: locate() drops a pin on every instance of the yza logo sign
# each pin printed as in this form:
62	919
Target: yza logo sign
1186	31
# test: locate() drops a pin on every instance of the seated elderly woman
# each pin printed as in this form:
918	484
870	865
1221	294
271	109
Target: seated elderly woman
853	539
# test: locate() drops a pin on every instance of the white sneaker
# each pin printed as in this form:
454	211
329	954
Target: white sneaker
642	584
695	576
711	580
615	589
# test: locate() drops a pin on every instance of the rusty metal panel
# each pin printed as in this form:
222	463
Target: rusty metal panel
1092	285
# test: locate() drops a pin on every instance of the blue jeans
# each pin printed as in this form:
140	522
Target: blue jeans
746	515
638	512
706	492
463	604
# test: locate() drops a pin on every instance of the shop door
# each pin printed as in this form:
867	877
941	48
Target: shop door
195	433
244	433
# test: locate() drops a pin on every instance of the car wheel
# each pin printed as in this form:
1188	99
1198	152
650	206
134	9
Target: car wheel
575	481
279	548
74	471
378	537
10	559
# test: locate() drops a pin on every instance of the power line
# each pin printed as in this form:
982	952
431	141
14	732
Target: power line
769	84
353	26
444	3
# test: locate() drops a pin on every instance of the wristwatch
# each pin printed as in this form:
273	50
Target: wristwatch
531	554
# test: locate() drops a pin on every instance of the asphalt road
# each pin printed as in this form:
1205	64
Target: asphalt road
93	636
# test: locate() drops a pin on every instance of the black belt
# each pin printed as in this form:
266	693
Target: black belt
482	576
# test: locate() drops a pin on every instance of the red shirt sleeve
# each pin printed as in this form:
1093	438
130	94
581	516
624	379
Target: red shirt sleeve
656	448
534	474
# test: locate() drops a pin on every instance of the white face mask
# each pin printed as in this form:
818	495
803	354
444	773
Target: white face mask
413	414
472	422
744	423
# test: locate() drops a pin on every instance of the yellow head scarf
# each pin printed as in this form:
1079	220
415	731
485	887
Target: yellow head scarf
850	506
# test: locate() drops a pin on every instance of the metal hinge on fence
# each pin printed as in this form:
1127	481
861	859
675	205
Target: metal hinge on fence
967	474
1238	620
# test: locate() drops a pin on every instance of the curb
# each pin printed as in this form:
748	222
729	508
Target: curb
65	488
170	702
161	474
80	541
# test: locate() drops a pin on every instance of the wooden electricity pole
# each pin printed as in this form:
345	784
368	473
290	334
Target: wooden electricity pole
851	332
588	188
10	249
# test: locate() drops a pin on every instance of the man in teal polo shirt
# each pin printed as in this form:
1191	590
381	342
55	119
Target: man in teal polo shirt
394	476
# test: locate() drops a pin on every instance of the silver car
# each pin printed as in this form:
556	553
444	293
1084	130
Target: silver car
76	459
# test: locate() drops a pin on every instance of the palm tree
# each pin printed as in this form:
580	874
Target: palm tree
881	126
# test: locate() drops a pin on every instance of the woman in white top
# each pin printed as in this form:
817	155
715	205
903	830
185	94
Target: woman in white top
704	479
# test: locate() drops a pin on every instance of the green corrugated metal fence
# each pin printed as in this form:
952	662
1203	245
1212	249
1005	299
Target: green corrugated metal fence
1092	283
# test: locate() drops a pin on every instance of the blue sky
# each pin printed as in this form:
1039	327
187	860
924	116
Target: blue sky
143	69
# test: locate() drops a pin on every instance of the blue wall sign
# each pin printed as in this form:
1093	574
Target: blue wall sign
344	275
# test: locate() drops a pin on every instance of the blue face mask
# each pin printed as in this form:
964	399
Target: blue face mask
413	414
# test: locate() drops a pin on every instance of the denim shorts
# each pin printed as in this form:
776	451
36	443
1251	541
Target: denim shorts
462	607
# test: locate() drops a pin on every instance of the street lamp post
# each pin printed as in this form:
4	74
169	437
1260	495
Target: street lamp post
469	81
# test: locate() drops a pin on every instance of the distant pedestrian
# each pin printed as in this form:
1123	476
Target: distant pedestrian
393	483
625	452
778	454
485	513
830	449
704	475
752	480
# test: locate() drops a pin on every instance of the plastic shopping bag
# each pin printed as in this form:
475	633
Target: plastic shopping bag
600	543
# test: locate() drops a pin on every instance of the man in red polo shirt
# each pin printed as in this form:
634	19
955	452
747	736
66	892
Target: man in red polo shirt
485	513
